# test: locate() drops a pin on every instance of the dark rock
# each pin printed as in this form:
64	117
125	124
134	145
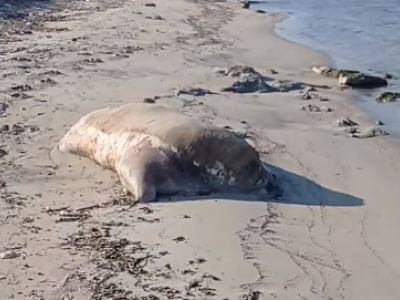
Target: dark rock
246	5
352	78
387	97
151	100
260	11
249	83
150	4
362	80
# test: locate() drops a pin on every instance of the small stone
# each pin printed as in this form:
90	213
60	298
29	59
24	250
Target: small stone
150	4
151	100
380	123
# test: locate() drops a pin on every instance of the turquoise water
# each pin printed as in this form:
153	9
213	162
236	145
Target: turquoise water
357	34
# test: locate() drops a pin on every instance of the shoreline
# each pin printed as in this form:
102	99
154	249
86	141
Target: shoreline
337	188
366	100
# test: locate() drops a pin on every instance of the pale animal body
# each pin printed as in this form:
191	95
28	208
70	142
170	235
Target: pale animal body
157	150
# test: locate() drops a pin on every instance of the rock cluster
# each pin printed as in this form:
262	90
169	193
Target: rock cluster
352	78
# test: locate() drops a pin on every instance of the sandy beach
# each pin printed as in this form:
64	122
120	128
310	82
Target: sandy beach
65	233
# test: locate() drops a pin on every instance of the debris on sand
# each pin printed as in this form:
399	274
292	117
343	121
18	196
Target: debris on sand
17	129
193	91
365	133
251	295
10	254
344	122
306	95
315	108
69	215
285	86
3	152
3	108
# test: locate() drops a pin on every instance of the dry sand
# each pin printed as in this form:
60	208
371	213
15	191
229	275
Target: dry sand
332	235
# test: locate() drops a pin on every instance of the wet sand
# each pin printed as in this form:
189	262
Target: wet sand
66	233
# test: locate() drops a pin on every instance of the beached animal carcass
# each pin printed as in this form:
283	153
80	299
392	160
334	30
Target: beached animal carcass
156	150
